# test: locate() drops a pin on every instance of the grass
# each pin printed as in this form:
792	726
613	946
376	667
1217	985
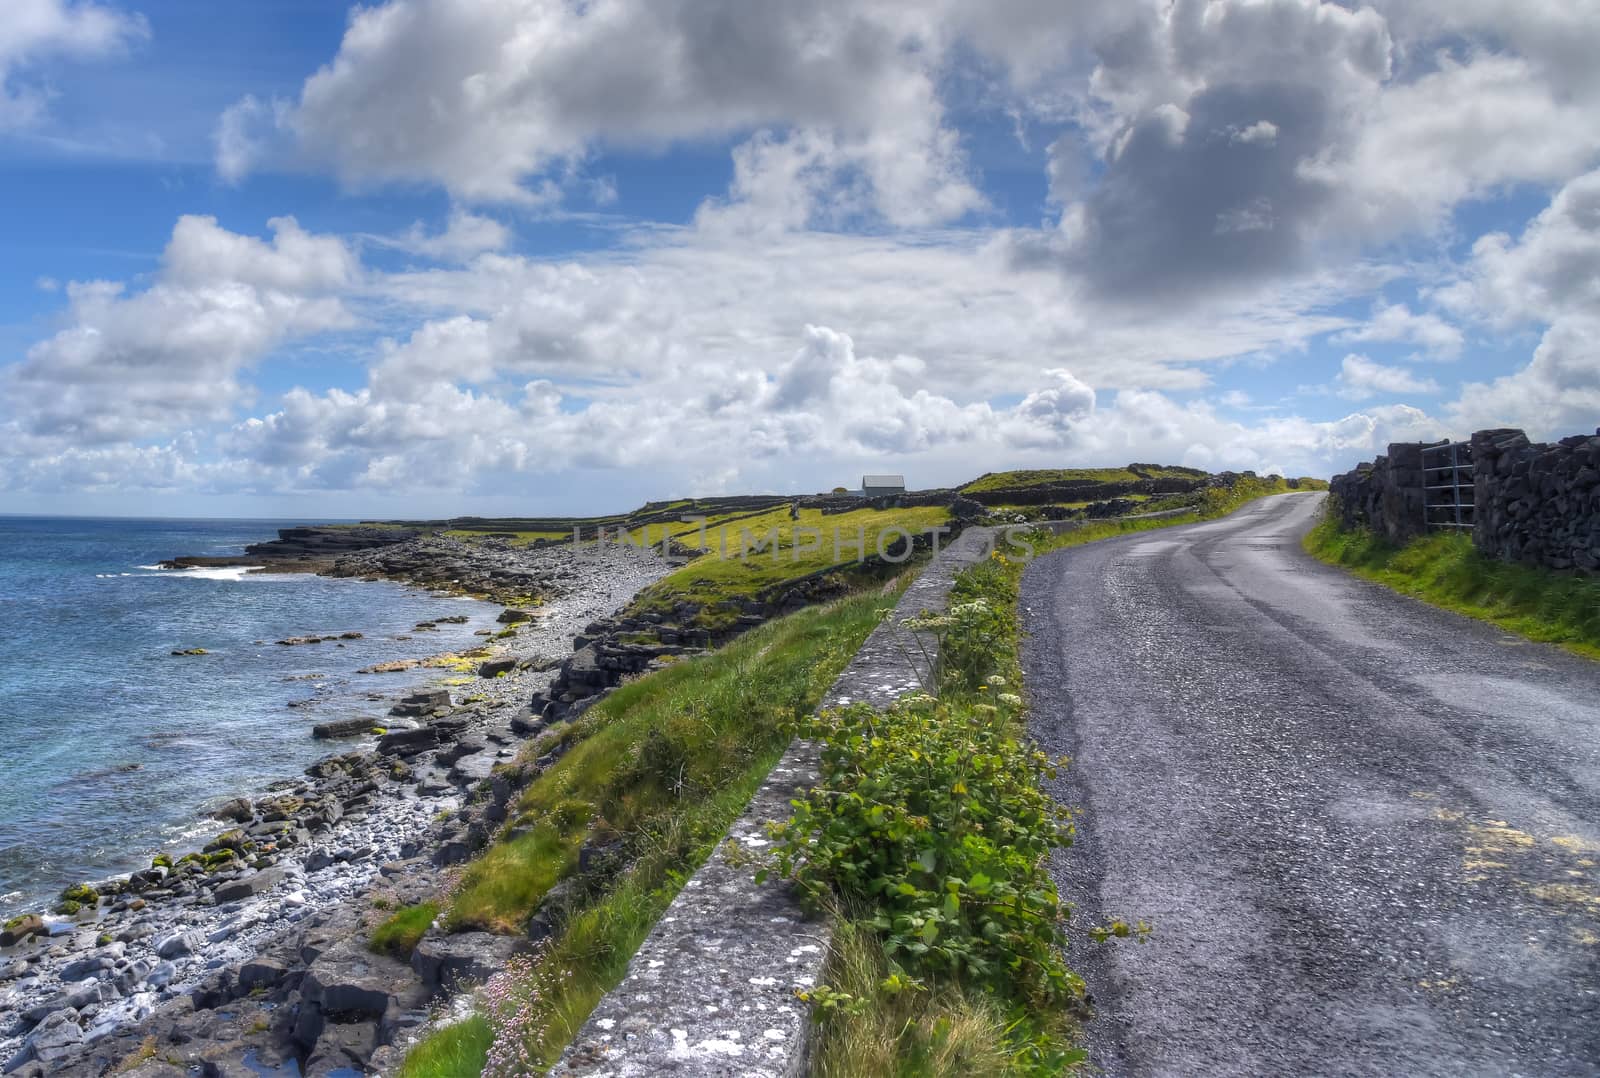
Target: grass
661	766
500	889
454	1051
515	538
399	933
757	554
1444	569
915	1034
1040	477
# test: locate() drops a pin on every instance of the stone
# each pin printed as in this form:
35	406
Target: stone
344	728
408	742
342	1050
20	928
81	968
511	616
465	747
177	945
261	973
452	962
348	980
54	1038
496	667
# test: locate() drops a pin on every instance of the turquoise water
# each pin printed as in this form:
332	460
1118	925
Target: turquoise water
110	747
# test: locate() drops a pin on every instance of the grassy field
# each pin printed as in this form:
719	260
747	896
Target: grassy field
1048	476
746	556
661	767
1446	570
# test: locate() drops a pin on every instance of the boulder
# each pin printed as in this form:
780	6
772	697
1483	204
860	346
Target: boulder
422	703
177	945
261	973
511	616
161	975
343	727
253	884
496	667
349	980
464	747
342	1050
408	742
20	928
452	962
237	810
54	1038
82	968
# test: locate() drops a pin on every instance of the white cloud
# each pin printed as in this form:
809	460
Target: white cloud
1556	394
1396	322
500	100
33	30
134	365
465	235
1361	378
1551	271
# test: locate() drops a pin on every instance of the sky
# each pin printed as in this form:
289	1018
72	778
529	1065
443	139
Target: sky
434	257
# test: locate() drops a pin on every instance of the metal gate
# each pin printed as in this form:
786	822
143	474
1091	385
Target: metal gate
1447	486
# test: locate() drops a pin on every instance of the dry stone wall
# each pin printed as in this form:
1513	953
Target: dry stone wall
1536	503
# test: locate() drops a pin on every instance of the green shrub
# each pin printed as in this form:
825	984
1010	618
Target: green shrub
933	816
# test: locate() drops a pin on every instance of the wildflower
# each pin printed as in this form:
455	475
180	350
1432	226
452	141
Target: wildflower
995	680
1010	699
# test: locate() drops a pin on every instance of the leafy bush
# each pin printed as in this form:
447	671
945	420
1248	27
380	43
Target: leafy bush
932	815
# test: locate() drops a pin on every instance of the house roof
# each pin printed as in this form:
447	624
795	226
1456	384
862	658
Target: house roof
883	481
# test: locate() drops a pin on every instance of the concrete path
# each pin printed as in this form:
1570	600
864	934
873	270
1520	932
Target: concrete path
1366	831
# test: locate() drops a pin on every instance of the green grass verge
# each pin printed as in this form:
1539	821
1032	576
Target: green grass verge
662	765
397	935
1444	569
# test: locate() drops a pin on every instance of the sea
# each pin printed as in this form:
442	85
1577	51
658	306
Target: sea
112	748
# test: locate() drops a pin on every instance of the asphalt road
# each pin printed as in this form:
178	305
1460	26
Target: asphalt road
1366	831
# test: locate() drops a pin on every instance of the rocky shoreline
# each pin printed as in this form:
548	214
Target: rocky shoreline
249	957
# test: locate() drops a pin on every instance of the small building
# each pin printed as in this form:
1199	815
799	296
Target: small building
882	486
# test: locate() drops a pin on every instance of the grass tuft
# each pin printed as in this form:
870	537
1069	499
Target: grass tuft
454	1051
398	935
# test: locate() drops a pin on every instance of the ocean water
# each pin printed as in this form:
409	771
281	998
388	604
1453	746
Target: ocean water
110	747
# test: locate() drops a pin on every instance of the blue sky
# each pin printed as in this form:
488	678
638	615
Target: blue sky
517	256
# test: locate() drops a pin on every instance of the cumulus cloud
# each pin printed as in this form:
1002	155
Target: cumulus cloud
465	235
133	365
1550	272
495	100
1556	394
1436	338
34	30
1360	378
1550	277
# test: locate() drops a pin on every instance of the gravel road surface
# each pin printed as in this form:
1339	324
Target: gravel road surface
1366	831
